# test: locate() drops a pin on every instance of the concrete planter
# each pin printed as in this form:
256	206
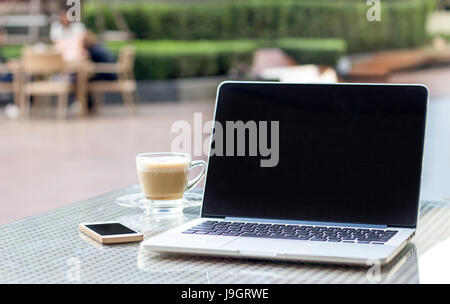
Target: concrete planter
189	89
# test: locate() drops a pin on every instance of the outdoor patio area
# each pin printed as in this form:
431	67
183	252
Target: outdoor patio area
96	155
224	142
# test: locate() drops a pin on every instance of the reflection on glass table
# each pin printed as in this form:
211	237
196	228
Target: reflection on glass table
212	270
48	248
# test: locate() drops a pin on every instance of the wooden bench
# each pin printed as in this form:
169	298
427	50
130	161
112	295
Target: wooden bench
377	67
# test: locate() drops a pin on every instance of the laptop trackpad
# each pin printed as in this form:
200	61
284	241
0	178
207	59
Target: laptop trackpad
268	246
272	247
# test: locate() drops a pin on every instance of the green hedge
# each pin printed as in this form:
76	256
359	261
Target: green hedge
176	59
168	59
11	51
402	21
319	51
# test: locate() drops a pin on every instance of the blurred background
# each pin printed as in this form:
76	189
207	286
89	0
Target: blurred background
86	86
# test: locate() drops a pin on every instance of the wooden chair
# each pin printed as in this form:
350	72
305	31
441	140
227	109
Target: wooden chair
125	82
45	74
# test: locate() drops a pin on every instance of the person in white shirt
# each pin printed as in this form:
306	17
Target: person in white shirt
68	37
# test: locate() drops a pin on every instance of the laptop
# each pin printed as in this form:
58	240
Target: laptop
326	173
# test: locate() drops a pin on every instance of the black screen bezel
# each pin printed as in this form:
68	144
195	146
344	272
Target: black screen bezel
422	94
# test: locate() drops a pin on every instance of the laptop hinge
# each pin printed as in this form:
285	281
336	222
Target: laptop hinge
256	220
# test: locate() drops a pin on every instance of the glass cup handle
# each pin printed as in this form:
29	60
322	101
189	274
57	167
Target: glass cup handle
191	184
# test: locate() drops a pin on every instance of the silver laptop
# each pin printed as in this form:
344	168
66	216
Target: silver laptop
325	173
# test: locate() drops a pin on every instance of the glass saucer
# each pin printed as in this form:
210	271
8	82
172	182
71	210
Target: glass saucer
151	226
138	200
192	198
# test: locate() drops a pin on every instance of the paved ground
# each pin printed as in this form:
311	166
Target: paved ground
436	79
46	164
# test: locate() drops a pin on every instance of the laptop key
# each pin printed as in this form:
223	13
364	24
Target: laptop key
289	234
248	235
276	235
209	223
290	238
303	238
349	238
375	239
391	231
247	230
377	231
263	235
202	228
189	231
201	232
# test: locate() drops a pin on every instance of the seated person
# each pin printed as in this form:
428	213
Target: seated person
68	37
5	74
11	110
98	53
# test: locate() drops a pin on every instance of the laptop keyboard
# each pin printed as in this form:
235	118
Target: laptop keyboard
293	232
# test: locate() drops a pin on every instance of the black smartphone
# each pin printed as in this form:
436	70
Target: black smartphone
110	232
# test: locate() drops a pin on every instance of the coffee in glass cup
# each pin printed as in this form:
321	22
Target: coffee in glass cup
164	177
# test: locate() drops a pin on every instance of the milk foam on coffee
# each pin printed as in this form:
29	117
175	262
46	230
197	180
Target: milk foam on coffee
164	163
163	178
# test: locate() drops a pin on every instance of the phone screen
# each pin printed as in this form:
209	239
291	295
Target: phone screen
110	229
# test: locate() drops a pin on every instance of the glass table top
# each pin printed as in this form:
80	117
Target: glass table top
48	248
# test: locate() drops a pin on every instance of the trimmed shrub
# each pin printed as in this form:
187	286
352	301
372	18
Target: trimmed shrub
165	59
168	59
402	21
318	51
11	51
175	59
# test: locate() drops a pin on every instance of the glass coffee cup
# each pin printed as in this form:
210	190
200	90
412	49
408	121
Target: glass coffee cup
163	178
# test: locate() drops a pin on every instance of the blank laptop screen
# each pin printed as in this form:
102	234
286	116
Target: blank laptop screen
333	153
